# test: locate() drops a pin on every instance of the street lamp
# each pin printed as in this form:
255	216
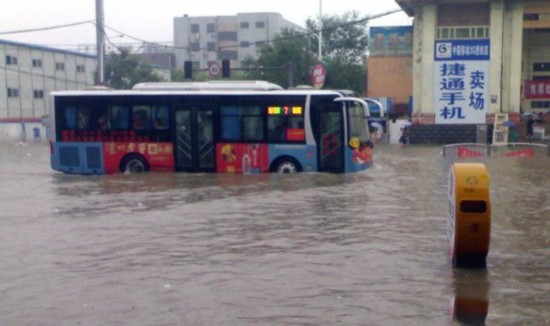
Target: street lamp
320	56
100	43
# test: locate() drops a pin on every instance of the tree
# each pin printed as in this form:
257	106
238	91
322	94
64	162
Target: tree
345	41
284	61
123	70
344	37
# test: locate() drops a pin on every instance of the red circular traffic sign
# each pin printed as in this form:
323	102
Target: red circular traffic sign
214	69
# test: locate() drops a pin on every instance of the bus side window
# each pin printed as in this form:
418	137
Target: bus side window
276	128
140	118
119	117
160	117
230	123
83	118
252	128
71	114
99	119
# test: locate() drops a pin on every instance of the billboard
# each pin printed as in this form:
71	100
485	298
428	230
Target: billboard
461	81
390	41
537	89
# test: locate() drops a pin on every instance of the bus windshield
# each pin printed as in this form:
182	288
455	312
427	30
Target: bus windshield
357	126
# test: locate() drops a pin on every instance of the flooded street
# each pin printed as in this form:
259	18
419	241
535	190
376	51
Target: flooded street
219	249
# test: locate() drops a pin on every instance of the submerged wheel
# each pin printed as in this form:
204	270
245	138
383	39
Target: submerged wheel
286	165
134	164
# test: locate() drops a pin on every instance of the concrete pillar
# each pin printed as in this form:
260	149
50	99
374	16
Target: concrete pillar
514	33
496	34
423	59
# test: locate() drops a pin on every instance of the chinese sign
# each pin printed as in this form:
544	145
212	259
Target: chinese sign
390	41
159	155
461	85
537	89
318	74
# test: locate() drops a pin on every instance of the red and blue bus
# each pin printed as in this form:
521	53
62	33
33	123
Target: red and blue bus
232	127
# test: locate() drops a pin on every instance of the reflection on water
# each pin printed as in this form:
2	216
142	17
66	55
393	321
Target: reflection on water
471	300
365	248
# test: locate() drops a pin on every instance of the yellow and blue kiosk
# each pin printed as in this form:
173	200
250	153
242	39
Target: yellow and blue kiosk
469	218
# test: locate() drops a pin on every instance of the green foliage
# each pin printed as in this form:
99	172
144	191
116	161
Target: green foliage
345	38
345	41
285	61
123	70
344	75
288	59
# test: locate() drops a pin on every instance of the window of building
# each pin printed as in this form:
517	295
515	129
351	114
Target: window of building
194	28
245	44
80	69
11	60
227	36
60	66
38	94
37	63
541	67
194	46
211	46
228	55
13	92
531	17
244	25
260	24
211	28
462	32
540	105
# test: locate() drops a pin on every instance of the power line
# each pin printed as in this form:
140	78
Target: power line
41	29
299	35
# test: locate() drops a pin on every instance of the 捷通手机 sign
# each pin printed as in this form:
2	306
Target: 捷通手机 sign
461	84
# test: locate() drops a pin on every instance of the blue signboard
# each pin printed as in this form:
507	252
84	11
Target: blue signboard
461	82
462	50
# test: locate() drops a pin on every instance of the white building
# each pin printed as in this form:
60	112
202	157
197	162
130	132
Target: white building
28	73
204	40
507	42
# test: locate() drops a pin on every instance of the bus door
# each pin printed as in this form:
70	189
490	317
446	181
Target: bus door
331	139
194	140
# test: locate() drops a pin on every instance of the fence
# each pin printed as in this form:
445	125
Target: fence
480	152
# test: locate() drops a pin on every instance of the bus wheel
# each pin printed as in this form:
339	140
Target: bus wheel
286	165
134	164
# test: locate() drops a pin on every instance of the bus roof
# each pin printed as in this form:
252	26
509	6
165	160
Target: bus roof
252	85
159	92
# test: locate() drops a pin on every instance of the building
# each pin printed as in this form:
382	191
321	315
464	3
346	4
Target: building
389	66
29	74
475	59
205	40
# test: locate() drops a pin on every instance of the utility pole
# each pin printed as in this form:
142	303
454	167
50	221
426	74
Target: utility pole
100	42
320	56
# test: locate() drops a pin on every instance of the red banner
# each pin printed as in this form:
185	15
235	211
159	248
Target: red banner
537	89
465	152
522	153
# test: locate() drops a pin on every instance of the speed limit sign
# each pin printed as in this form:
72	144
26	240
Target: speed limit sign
214	69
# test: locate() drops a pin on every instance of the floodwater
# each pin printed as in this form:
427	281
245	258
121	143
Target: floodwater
308	249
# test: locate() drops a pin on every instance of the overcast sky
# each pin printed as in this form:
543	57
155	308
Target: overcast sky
153	20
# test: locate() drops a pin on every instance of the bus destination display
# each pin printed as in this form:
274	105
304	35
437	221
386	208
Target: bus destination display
285	110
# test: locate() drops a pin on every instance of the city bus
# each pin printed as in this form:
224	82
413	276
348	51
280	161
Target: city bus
232	127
